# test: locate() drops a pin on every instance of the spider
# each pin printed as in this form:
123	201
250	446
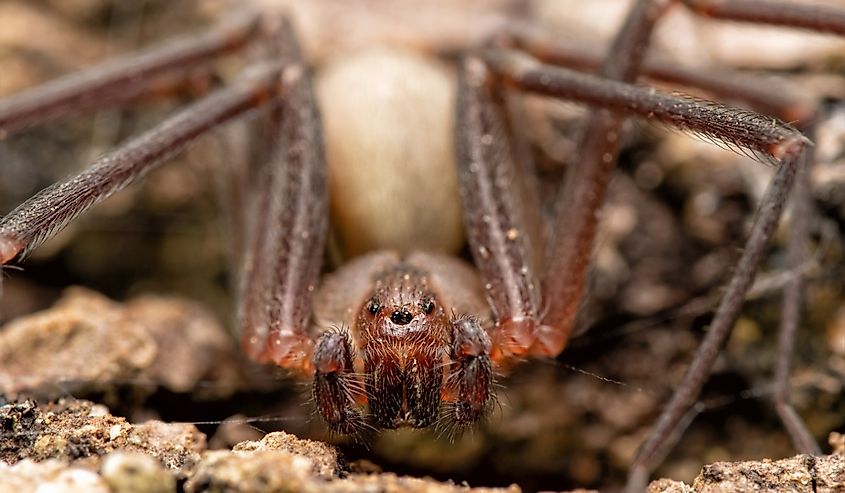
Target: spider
420	334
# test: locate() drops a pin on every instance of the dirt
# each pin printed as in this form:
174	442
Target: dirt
76	445
802	473
87	343
81	432
569	424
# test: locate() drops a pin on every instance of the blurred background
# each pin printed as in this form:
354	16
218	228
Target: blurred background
677	214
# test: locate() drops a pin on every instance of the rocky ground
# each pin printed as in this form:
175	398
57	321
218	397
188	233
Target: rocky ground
78	446
165	364
75	445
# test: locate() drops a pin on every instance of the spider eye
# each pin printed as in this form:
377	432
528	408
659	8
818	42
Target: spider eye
428	306
373	306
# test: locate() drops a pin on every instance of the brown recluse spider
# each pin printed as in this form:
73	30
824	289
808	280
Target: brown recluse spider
420	334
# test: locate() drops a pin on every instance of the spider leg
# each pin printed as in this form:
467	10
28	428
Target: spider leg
573	233
288	200
471	375
817	17
288	223
688	390
496	221
493	214
782	143
780	100
822	19
160	69
335	386
765	96
798	252
46	213
791	107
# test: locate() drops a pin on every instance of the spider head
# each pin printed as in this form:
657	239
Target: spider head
403	335
405	359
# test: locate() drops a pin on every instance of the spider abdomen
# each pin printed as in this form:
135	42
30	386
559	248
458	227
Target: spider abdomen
388	118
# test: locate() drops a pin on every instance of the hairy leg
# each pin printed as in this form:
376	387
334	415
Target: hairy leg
288	221
779	142
45	214
160	69
778	99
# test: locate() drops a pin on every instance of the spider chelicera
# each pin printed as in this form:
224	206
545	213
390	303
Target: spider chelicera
417	336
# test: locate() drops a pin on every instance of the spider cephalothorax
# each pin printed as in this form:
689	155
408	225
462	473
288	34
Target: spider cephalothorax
409	353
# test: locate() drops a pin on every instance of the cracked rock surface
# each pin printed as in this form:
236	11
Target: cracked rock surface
800	474
77	446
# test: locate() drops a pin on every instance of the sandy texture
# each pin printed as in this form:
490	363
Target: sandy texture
800	474
88	343
77	446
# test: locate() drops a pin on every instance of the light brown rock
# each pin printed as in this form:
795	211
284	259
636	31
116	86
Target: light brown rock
87	343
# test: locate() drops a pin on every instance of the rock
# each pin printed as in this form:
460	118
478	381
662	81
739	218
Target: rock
837	441
128	472
283	462
192	347
82	433
669	486
83	343
50	476
78	446
324	457
802	473
87	343
232	431
279	470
